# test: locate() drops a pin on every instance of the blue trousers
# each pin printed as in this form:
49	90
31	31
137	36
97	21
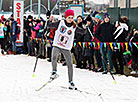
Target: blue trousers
106	52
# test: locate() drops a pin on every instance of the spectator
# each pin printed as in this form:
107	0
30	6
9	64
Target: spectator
98	21
7	36
120	35
106	31
50	36
2	37
134	52
28	34
79	38
25	37
88	52
13	34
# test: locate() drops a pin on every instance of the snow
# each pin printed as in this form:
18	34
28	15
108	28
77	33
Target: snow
18	85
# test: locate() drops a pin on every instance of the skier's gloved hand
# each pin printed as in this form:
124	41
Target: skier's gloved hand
48	14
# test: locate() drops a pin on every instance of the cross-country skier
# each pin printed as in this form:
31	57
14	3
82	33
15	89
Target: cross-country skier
63	42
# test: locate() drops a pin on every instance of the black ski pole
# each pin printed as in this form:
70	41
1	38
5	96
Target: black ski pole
35	67
48	13
102	56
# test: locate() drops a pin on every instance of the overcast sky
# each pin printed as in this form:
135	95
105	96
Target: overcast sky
99	1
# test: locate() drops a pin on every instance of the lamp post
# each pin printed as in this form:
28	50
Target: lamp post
31	6
1	5
128	3
48	4
39	8
115	3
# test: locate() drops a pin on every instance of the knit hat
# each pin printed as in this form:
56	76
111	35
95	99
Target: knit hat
106	15
69	12
30	17
88	18
98	16
95	13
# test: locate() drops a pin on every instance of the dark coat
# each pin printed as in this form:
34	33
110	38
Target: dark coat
105	32
13	30
88	51
134	49
28	27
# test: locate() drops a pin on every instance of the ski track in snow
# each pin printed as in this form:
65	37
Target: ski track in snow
18	85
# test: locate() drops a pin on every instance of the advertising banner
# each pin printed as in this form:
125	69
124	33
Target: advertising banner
18	15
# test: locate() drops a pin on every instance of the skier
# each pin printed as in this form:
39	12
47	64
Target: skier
62	43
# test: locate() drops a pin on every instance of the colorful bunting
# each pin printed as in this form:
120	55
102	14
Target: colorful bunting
104	45
94	44
86	44
98	43
74	44
130	44
101	44
111	45
126	46
80	44
118	44
83	45
135	45
114	43
91	44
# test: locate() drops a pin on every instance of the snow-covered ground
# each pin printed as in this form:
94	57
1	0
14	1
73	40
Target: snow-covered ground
18	85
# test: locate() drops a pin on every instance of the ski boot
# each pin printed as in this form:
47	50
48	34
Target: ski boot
104	72
72	86
54	75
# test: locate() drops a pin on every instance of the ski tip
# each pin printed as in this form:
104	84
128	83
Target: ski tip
114	82
73	88
33	75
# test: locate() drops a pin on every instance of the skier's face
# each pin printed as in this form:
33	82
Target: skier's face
69	19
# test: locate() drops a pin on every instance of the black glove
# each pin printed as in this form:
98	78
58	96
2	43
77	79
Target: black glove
48	13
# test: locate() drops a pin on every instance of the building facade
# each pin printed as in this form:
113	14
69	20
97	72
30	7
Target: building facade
7	5
123	3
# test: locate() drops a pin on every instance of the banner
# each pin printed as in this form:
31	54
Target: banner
98	45
18	15
1	31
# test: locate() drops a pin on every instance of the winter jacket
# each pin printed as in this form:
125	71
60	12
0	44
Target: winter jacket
88	50
13	30
134	49
121	32
79	33
28	27
106	31
38	29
